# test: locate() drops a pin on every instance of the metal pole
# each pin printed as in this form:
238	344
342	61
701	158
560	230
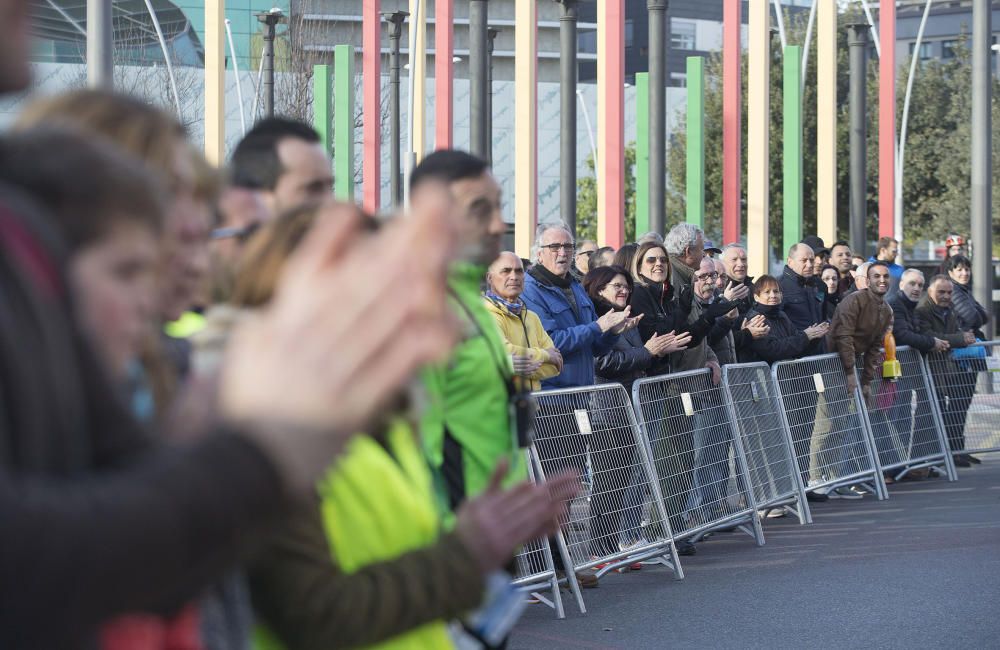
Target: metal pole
657	113
857	41
270	19
982	163
567	112
491	35
478	17
395	20
100	44
901	150
236	73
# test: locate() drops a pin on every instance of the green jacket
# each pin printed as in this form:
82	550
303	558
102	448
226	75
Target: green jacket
466	426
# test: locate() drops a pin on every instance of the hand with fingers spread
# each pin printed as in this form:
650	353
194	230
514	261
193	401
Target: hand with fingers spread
325	355
613	319
496	522
630	323
736	292
525	366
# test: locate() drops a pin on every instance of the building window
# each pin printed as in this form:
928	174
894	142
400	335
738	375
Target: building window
678	80
683	35
926	50
629	32
949	49
587	42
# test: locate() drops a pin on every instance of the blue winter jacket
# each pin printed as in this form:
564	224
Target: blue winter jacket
579	340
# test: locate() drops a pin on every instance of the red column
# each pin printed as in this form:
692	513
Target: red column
611	127
444	42
887	120
732	145
371	58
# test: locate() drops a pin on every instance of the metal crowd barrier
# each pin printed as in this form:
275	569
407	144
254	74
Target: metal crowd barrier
535	570
700	463
593	430
755	408
968	397
833	446
903	420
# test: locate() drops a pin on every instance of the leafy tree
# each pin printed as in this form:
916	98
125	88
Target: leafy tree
586	200
936	188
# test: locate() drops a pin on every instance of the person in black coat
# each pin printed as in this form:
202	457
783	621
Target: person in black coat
905	327
829	278
612	449
663	312
970	314
803	301
784	341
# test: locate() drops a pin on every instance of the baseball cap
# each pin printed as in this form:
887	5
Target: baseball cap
710	247
816	243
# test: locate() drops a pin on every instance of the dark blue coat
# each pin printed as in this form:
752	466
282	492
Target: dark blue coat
802	302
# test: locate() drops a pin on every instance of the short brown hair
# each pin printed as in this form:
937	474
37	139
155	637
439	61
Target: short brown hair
883	243
86	185
765	282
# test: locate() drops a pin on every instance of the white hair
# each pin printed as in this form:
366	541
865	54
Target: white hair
681	237
536	246
862	271
652	236
913	272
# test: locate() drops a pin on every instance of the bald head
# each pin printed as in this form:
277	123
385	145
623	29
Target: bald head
506	276
800	259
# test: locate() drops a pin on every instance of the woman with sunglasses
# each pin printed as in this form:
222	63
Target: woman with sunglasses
663	312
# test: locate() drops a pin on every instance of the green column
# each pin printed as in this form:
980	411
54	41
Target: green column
694	184
343	122
322	105
792	145
641	153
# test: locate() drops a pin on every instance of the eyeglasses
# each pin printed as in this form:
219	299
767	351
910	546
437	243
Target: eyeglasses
555	248
619	287
714	275
654	260
581	252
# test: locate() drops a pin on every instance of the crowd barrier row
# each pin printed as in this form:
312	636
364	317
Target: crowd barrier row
683	457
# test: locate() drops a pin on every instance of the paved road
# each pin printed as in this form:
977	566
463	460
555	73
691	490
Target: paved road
921	569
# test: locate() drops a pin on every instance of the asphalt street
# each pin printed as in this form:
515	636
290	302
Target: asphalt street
921	569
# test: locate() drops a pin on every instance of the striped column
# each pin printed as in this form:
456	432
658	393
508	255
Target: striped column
694	183
887	120
826	121
215	81
371	66
641	153
323	106
732	122
791	102
343	122
444	73
418	68
758	137
611	124
525	125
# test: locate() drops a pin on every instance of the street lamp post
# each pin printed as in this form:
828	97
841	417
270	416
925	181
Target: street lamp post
270	19
857	42
567	112
395	20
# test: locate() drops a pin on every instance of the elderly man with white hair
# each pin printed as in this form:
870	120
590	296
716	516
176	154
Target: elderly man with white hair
685	244
905	327
566	312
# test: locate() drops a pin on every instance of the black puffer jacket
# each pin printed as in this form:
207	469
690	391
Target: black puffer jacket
784	341
626	361
970	314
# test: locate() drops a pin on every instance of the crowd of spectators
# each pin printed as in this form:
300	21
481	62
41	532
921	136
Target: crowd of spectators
237	412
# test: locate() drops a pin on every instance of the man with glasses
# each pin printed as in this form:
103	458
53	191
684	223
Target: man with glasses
567	313
581	260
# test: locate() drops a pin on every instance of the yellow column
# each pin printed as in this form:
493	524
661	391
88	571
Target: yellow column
826	121
758	118
418	68
215	81
525	126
